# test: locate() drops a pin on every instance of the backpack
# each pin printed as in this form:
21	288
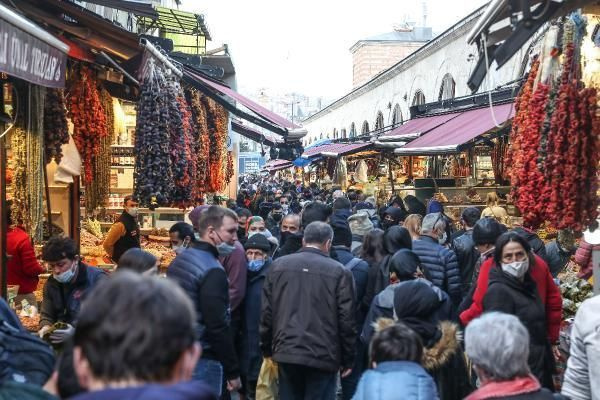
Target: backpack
24	358
352	263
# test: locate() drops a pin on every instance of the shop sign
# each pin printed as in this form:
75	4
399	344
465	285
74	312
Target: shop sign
29	58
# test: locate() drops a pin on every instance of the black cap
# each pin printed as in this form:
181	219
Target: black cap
258	241
342	236
486	231
404	263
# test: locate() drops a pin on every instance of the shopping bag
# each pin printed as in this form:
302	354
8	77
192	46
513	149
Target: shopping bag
267	387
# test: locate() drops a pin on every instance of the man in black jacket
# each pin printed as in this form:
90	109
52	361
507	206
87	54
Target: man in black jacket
198	271
465	249
308	318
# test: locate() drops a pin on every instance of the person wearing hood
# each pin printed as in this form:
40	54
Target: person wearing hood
512	290
537	245
342	240
393	216
395	357
360	225
258	253
368	207
394	239
135	340
405	266
200	274
417	305
414	206
439	262
559	251
501	365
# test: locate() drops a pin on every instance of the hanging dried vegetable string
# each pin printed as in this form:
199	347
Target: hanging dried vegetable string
153	178
89	119
202	142
217	127
56	130
177	144
230	167
190	152
19	179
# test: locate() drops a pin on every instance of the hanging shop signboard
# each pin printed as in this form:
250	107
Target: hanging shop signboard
27	57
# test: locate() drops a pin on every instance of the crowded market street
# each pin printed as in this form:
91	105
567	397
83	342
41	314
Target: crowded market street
398	211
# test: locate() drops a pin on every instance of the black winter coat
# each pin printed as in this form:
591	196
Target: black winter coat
467	256
62	301
507	294
441	266
291	245
360	273
308	312
537	244
251	359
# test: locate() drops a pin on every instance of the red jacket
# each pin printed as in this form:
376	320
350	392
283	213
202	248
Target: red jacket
23	268
549	294
583	257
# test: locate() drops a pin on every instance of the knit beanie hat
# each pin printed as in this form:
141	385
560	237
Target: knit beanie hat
258	241
360	224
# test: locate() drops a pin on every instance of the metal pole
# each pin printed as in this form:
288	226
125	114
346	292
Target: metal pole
160	56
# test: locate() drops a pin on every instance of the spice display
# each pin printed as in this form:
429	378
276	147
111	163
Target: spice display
56	130
202	146
89	119
177	142
153	177
18	185
555	144
217	130
230	167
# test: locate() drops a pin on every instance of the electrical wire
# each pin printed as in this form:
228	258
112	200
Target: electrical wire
16	97
490	83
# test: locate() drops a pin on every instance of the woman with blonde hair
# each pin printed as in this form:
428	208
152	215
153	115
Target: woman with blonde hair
493	209
413	224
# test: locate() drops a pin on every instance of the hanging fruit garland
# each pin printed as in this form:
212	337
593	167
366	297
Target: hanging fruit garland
89	119
202	142
178	150
56	130
187	186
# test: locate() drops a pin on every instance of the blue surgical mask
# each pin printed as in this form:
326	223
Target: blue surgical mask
225	249
255	265
66	276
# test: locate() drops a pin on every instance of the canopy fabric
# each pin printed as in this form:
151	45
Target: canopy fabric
417	127
142	9
336	149
276	165
458	131
255	107
255	135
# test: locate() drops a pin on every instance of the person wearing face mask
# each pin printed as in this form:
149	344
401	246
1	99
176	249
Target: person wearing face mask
125	233
258	250
274	220
198	271
488	229
68	285
439	262
393	216
243	215
181	235
290	237
512	290
284	201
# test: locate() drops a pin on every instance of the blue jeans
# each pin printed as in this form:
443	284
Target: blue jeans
211	373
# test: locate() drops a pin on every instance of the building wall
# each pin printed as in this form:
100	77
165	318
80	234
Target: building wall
371	58
424	71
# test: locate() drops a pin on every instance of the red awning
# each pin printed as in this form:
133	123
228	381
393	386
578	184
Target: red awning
270	139
255	107
336	149
276	165
417	127
468	125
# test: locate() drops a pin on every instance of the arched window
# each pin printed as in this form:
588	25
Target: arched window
352	130
379	121
365	128
335	133
448	88
397	115
418	99
343	133
321	137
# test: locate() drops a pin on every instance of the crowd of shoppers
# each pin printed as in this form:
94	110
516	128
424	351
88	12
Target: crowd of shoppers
347	299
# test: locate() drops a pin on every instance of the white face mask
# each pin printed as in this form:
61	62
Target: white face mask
133	211
518	269
285	207
66	276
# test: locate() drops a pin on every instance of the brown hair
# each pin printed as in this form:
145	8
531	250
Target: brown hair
214	216
491	199
413	224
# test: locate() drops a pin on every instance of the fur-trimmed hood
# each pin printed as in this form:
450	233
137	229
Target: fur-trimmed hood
441	352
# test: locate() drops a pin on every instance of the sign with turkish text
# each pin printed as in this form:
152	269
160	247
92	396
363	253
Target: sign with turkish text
26	57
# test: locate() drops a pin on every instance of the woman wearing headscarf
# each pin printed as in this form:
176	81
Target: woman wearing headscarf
394	239
393	216
417	304
414	206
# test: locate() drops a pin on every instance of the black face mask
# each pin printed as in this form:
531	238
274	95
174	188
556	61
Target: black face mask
241	232
277	217
284	237
387	224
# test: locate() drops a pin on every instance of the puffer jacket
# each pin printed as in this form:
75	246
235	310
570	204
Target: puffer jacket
583	367
441	266
467	256
199	273
360	273
308	312
383	382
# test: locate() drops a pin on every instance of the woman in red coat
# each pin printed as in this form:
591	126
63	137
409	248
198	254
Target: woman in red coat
23	268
